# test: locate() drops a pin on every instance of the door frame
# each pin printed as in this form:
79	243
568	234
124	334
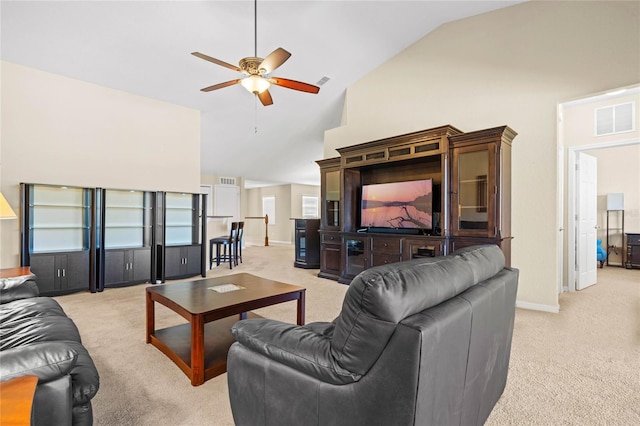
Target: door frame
571	207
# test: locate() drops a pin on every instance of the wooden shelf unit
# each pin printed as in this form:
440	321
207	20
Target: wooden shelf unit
471	174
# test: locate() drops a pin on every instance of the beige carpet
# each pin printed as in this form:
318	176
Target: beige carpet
579	367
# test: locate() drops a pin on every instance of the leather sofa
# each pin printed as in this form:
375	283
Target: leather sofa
37	338
422	342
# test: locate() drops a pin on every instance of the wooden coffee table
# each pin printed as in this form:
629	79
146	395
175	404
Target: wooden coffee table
200	347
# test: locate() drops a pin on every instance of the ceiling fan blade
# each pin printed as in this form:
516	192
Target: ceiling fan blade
221	85
216	61
295	85
274	60
265	98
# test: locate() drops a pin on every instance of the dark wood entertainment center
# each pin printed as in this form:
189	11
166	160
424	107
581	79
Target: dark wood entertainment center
471	174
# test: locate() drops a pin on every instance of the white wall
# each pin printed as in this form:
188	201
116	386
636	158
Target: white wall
511	66
57	130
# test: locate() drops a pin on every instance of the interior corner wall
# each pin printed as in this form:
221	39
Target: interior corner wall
279	232
58	130
511	66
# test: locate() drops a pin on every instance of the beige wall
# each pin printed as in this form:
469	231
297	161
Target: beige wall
512	67
288	205
618	172
618	167
58	130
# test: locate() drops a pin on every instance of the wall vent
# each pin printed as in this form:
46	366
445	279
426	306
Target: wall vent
615	119
227	181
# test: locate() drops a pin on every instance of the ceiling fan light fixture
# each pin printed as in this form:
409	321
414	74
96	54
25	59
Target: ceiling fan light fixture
255	84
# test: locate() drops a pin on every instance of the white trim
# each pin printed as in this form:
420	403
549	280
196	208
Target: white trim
560	199
554	309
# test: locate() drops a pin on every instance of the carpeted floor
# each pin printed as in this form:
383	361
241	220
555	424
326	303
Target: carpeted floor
578	367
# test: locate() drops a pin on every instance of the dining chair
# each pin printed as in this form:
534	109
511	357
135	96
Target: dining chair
238	245
224	243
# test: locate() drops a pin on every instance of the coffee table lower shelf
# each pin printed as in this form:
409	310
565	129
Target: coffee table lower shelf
175	342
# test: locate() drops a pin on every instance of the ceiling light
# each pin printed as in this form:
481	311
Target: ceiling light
255	84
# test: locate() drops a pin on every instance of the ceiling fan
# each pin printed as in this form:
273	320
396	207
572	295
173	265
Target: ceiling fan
257	80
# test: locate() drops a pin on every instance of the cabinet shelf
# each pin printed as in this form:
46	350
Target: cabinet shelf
59	251
129	207
75	206
59	227
134	225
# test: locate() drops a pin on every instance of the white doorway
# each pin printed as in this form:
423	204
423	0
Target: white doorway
573	259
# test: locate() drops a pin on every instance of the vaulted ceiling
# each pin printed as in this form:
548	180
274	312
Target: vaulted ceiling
143	47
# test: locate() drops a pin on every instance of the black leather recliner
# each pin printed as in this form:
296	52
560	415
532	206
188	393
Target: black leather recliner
37	338
423	342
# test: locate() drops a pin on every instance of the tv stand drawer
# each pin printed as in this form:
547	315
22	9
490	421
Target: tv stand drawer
384	245
385	259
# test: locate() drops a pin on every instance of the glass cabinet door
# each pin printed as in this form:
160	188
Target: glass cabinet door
473	191
332	199
356	250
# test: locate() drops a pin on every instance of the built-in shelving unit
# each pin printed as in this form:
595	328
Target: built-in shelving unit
471	176
125	236
181	239
56	236
77	239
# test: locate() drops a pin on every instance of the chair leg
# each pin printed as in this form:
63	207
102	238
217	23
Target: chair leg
217	254
230	259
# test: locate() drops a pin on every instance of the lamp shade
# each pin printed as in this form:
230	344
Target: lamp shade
615	201
255	84
6	212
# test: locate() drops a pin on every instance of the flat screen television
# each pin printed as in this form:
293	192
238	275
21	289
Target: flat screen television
398	205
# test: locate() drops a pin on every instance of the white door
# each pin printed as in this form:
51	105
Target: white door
586	221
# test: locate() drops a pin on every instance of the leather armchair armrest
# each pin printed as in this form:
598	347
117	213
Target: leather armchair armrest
47	360
302	348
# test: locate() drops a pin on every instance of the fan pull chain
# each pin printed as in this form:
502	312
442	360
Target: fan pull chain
256	115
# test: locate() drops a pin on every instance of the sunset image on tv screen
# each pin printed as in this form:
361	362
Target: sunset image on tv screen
398	205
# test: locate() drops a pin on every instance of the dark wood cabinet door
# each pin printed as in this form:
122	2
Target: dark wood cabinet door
356	256
114	267
76	271
193	259
43	266
141	259
173	262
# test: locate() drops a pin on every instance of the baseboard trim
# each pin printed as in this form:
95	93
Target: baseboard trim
554	309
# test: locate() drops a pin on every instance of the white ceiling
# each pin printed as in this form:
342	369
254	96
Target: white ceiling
143	47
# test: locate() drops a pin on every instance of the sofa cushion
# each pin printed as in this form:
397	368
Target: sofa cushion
39	329
18	288
380	297
30	308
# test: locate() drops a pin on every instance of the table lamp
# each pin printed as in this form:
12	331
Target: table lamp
6	212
